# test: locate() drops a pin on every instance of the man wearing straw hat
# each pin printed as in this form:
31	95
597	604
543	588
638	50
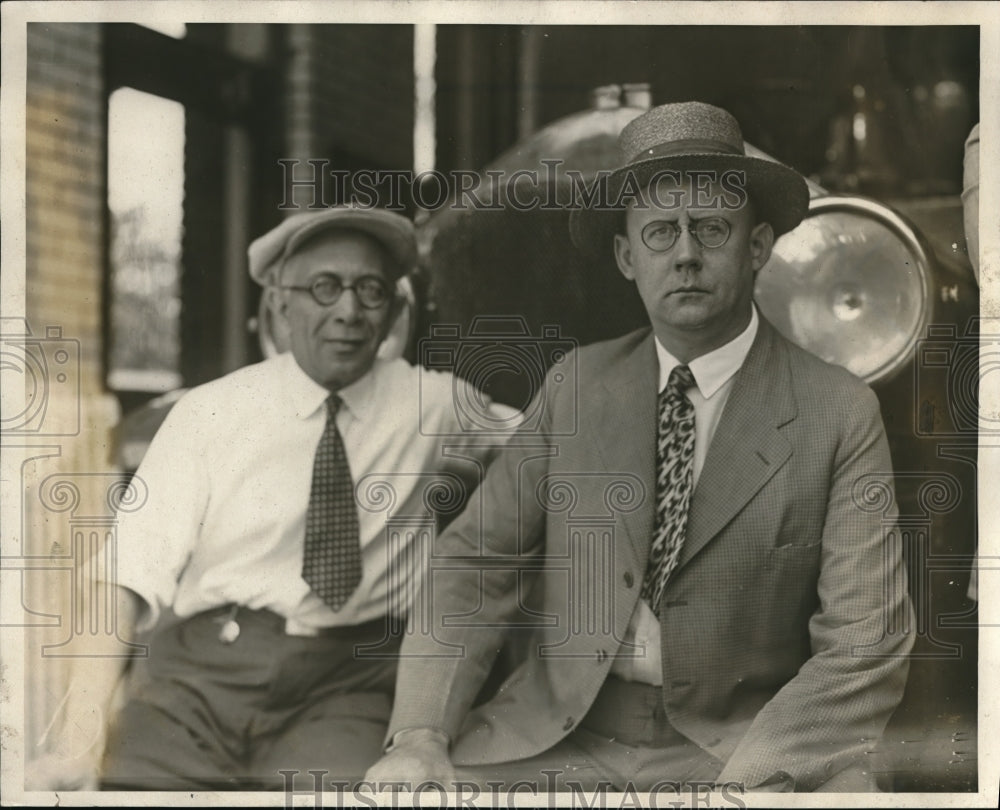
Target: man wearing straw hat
734	611
274	595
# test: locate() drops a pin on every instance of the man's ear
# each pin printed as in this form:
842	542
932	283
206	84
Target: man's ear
761	242
276	300
623	256
397	303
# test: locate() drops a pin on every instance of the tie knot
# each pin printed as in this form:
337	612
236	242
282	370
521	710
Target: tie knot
333	403
681	379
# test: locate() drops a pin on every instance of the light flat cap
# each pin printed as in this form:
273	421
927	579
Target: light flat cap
395	232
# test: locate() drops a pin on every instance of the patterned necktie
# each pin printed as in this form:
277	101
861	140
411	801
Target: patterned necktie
332	560
674	483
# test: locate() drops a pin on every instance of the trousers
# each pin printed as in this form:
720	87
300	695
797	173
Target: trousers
214	712
623	743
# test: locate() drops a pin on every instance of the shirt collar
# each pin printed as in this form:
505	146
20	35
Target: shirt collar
306	396
712	370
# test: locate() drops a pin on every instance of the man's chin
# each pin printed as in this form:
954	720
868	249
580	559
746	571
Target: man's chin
343	368
689	315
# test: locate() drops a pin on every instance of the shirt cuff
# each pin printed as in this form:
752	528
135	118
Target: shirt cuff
418	735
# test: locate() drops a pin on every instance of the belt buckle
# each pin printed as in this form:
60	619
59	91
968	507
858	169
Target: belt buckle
230	630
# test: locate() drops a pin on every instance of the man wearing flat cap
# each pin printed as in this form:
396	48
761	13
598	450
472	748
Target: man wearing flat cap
712	600
275	597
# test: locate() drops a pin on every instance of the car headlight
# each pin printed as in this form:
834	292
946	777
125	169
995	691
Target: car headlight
851	284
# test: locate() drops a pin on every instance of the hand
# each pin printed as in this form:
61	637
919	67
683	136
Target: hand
417	755
55	772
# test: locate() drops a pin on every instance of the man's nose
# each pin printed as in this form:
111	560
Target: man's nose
347	308
687	251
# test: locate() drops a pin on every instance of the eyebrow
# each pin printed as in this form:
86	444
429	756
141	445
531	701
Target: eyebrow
326	271
697	216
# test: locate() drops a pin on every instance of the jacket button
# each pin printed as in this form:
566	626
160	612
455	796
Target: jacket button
602	656
629	581
569	724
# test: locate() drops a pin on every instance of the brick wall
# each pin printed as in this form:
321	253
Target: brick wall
349	97
65	142
66	125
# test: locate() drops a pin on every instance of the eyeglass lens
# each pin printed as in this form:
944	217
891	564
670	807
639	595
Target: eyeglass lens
371	291
662	235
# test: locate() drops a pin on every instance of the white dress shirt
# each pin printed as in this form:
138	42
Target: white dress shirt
713	373
228	478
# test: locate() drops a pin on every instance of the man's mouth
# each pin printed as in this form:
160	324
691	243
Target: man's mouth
687	290
344	343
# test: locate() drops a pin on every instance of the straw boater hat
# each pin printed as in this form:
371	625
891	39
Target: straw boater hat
267	253
691	135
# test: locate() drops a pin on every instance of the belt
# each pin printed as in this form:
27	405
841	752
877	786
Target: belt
632	713
233	618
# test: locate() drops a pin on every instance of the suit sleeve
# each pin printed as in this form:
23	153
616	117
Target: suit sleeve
443	667
837	706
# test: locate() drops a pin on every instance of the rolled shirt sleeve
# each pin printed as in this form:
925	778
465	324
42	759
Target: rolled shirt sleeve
155	540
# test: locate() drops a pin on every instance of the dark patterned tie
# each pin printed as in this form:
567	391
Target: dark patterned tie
331	563
674	482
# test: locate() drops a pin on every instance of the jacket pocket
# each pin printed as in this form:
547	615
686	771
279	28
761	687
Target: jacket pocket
795	558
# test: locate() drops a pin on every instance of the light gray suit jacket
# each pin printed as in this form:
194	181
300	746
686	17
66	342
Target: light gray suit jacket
785	627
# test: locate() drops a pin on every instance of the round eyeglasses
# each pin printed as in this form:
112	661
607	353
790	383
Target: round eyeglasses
372	292
662	235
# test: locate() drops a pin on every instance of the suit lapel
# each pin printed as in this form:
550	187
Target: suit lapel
747	448
626	436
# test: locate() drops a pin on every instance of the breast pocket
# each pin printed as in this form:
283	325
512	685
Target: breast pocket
795	559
